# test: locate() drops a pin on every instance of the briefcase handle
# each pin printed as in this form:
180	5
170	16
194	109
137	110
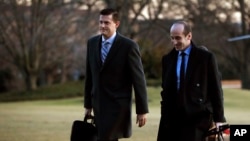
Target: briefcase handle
91	117
215	131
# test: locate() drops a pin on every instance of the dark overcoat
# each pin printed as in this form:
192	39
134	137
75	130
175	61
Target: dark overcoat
202	96
109	86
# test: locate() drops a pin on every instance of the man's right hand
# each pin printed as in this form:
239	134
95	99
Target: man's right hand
88	111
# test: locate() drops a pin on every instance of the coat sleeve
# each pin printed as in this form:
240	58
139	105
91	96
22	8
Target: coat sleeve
215	90
88	82
138	78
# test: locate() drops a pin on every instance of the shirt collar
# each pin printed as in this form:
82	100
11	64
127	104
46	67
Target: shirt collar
187	50
110	40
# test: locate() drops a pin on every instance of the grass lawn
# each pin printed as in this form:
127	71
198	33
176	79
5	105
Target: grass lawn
51	120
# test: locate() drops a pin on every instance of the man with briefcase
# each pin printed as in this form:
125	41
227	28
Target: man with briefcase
113	70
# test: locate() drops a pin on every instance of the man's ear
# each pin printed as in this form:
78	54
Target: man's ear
189	36
117	24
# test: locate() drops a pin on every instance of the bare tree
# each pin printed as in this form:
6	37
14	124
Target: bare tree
35	36
45	36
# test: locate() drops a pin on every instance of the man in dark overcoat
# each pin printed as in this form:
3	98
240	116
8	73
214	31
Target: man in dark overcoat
192	97
113	70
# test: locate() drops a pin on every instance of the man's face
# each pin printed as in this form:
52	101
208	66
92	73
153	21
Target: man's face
178	39
107	26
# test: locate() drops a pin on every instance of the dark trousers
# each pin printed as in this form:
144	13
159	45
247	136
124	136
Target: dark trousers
181	133
181	128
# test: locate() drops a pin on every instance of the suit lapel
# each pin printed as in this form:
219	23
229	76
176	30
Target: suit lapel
97	51
191	63
173	68
170	70
114	48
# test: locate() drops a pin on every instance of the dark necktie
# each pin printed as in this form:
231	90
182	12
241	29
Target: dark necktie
182	71
104	51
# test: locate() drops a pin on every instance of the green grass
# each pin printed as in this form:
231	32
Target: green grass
237	106
56	91
51	120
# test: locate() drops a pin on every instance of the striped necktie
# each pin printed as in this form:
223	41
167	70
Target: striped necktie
104	51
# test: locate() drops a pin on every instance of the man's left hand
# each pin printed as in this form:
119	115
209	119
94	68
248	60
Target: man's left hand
141	120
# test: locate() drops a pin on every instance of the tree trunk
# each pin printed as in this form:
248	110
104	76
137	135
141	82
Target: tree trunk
63	76
31	81
50	79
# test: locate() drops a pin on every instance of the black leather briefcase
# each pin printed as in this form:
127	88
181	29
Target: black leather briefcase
83	130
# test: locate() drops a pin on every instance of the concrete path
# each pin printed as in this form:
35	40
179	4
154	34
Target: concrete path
231	84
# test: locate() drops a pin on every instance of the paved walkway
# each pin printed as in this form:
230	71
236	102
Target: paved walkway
231	84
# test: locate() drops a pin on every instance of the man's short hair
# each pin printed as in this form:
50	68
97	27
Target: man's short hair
110	11
187	27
